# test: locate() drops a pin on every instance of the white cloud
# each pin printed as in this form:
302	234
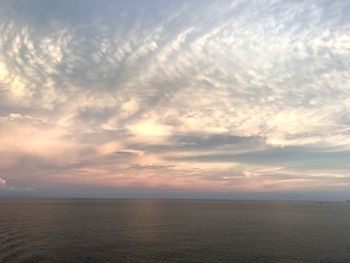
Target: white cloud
2	182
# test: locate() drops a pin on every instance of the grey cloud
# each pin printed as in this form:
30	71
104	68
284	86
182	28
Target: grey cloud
150	166
202	142
289	156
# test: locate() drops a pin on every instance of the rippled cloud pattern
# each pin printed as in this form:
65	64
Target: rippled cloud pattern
175	98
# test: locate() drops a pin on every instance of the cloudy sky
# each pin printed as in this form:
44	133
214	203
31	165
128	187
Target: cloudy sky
210	99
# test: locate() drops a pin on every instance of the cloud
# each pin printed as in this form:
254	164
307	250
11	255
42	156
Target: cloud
131	93
2	182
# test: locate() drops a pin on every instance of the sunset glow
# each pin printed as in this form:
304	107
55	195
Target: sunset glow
175	98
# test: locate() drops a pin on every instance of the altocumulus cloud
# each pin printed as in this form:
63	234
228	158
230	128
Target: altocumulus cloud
221	96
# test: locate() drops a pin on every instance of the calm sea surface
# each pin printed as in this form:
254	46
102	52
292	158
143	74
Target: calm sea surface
88	230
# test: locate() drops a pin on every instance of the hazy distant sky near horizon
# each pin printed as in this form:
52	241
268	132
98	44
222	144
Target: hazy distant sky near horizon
175	98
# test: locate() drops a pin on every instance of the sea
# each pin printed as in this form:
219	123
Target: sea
107	230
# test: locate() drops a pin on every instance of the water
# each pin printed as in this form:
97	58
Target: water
84	230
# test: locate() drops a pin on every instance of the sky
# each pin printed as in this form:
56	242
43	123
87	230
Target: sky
175	99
